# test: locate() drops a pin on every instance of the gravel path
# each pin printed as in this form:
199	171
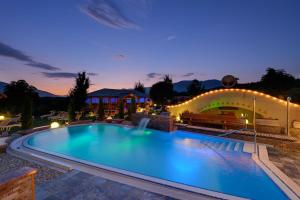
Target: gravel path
10	163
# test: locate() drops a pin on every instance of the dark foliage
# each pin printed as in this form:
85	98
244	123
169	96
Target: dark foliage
17	92
276	83
20	97
26	117
71	112
121	109
47	104
139	87
132	108
100	110
78	94
162	92
195	88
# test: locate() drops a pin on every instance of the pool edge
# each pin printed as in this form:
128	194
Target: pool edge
285	183
18	147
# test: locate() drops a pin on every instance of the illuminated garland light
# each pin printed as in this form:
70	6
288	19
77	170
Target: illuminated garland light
231	89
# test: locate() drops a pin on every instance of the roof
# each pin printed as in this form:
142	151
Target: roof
115	93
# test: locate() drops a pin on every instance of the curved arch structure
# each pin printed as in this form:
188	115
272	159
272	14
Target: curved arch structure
266	105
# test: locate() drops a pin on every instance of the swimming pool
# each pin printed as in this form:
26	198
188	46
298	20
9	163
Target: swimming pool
195	160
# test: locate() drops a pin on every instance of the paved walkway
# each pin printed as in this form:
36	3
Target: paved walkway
10	163
288	162
78	185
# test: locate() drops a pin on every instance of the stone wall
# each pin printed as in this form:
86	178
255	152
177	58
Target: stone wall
159	122
18	184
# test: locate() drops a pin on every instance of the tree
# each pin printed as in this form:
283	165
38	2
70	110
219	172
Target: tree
161	92
195	88
78	95
277	81
139	87
26	117
100	109
132	107
167	79
20	96
71	111
121	109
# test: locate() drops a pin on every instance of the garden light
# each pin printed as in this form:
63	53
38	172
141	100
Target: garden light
54	125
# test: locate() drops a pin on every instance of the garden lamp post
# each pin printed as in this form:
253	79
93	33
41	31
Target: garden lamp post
254	124
288	116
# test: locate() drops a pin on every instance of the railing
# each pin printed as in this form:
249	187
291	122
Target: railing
243	129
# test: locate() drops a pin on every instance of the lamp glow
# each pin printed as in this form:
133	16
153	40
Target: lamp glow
247	121
54	125
2	117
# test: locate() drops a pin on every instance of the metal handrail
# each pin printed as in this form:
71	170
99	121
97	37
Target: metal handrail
231	132
243	129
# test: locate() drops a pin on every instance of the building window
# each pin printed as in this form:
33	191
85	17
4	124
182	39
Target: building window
114	100
105	100
128	100
88	101
95	100
142	100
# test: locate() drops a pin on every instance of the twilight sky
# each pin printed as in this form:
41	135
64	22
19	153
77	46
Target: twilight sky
119	42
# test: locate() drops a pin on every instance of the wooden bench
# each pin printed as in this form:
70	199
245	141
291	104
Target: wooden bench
213	119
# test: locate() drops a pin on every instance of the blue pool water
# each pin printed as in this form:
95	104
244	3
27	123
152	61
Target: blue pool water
196	160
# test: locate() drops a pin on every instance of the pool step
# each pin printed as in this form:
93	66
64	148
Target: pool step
224	146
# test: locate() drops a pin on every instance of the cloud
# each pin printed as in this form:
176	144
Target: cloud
188	74
43	66
59	74
64	74
8	51
154	75
120	57
107	13
92	74
171	37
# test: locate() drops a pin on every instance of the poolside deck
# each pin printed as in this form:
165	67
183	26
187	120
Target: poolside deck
288	162
79	185
54	185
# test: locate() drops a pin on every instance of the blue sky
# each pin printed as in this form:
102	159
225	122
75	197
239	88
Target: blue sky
120	42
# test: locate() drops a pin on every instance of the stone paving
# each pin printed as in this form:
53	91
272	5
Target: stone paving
10	163
78	185
54	185
288	162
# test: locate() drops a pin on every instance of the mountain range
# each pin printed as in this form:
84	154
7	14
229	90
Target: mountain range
40	92
182	86
179	87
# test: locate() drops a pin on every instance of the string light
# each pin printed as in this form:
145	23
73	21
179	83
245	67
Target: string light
231	89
